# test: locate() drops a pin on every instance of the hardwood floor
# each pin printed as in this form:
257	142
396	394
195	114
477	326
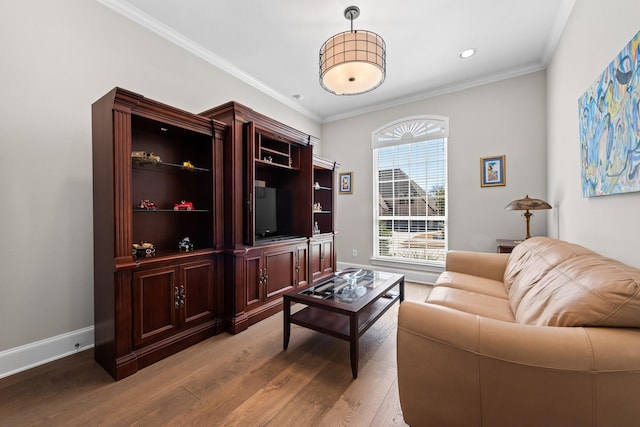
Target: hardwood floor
228	380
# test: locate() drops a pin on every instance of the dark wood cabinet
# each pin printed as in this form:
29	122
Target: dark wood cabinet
169	298
268	204
322	257
157	179
201	224
261	275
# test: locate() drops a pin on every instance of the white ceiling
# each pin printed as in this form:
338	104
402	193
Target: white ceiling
274	44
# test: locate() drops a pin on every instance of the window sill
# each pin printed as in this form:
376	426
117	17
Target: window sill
422	272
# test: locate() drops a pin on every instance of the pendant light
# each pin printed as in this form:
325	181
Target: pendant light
352	62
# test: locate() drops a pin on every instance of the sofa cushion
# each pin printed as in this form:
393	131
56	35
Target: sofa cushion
555	283
472	283
471	302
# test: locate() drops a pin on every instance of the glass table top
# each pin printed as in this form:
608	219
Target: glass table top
347	285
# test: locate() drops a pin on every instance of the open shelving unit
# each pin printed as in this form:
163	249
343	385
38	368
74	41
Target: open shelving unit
156	299
322	257
275	152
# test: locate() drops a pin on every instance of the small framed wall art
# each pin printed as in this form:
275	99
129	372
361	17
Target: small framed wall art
492	171
345	180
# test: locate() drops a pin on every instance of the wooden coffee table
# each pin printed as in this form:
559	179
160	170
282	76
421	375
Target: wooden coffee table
331	308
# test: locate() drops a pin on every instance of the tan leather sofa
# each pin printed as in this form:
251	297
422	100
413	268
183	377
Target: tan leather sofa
548	335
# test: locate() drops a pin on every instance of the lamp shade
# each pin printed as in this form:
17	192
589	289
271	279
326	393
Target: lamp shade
352	62
527	204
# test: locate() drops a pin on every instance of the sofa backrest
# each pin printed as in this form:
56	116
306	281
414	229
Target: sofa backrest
555	283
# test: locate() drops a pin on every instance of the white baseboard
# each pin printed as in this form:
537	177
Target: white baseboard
412	275
38	353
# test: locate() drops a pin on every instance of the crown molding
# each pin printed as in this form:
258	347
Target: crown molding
443	90
564	11
152	24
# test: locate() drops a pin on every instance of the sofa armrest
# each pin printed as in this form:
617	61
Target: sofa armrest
484	264
456	368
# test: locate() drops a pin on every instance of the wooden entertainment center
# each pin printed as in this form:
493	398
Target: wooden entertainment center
257	207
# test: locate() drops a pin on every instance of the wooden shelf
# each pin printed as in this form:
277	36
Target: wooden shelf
274	152
143	163
337	324
274	164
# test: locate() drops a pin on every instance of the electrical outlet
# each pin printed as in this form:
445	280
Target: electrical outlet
354	253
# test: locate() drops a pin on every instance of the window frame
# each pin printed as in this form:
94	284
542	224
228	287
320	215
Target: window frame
408	130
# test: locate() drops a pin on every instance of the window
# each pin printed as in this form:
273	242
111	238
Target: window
410	190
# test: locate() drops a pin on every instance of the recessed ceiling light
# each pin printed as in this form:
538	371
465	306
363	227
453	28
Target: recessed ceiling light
468	53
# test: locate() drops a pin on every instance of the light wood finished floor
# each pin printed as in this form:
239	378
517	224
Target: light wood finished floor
228	380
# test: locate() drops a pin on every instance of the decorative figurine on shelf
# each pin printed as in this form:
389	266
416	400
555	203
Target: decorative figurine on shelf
188	166
145	248
183	206
268	159
147	204
139	156
316	229
290	162
154	158
317	207
142	158
185	245
316	185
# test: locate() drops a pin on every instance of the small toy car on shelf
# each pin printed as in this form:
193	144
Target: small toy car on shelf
145	248
147	204
142	157
139	156
185	245
183	206
188	166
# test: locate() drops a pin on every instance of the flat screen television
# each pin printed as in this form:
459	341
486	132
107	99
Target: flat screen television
272	212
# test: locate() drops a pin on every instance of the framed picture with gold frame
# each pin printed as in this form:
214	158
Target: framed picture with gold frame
492	171
345	182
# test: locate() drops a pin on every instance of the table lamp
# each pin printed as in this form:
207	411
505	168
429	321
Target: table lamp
527	205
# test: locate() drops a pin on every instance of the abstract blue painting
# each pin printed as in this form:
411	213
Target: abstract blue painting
609	127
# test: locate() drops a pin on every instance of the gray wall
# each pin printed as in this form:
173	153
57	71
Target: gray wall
593	37
507	117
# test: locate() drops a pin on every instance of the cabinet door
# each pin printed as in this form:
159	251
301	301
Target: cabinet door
301	267
315	260
253	280
279	267
197	280
327	257
155	296
321	259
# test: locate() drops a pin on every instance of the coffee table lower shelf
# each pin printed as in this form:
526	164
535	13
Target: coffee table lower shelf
339	325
